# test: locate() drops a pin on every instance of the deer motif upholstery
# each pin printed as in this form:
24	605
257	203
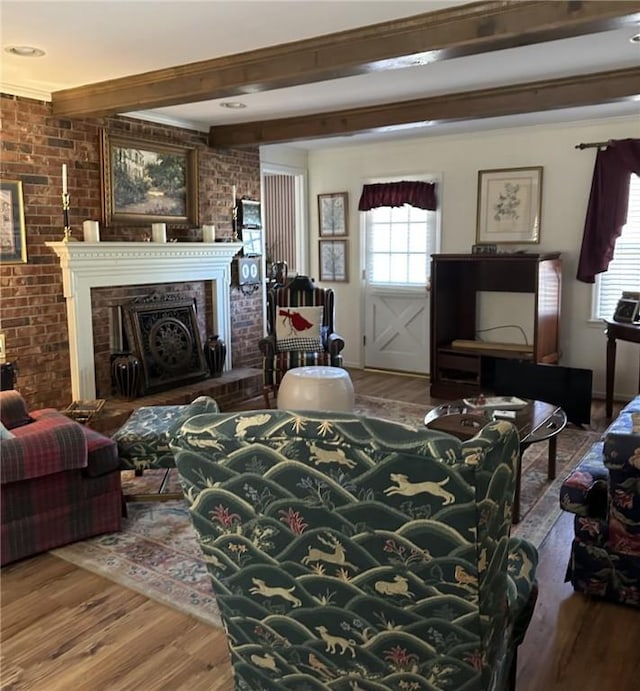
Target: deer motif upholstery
300	292
355	553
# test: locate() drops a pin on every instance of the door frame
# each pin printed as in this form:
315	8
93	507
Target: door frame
419	177
301	219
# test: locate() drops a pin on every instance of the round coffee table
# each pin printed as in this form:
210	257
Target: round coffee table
535	421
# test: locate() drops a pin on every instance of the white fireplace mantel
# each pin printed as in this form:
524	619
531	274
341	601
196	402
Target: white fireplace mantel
88	265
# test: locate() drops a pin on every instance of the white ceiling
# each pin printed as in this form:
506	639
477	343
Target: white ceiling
88	41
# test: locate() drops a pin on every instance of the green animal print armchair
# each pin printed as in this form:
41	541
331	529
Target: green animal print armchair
352	553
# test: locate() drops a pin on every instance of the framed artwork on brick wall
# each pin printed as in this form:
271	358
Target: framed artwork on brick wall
13	240
146	182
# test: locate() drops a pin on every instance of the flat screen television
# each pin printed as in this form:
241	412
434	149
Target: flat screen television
567	387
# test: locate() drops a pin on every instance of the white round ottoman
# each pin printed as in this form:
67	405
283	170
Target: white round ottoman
316	388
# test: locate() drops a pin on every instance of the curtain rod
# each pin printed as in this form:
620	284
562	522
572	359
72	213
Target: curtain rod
591	145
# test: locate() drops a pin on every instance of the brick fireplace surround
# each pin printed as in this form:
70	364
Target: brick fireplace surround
86	266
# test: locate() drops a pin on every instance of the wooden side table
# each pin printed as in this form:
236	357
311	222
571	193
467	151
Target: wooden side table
623	332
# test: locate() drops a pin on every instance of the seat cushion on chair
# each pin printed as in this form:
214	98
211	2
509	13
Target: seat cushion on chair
143	441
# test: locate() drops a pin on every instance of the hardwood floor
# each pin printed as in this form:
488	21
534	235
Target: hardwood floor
65	628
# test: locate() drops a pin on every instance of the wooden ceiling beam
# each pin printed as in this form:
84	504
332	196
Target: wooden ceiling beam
452	32
551	94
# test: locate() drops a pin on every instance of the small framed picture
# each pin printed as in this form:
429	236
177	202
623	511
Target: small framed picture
332	214
333	261
509	206
628	309
13	241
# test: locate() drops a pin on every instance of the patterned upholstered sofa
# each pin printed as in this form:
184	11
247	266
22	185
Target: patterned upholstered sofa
603	492
60	481
353	553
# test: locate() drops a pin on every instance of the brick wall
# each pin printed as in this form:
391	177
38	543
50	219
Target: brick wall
33	312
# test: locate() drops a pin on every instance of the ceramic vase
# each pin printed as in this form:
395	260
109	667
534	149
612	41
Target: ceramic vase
126	372
215	353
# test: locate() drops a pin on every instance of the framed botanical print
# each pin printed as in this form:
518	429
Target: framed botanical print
332	214
333	261
509	206
13	241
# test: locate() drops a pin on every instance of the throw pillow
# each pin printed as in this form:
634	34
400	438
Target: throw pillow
298	328
4	433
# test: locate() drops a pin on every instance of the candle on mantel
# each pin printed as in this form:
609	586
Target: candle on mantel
233	194
91	230
64	178
159	232
208	233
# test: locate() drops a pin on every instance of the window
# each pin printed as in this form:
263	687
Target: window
624	270
400	242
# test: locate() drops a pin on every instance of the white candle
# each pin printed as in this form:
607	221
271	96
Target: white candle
91	230
208	233
159	232
64	178
233	194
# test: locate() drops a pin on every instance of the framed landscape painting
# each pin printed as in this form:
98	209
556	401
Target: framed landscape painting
13	241
509	206
146	182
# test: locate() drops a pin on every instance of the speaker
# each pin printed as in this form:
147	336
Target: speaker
567	387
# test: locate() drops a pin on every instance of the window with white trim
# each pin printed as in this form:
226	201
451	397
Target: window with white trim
400	242
624	269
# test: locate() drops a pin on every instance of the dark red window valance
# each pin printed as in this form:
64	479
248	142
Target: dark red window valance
419	194
608	204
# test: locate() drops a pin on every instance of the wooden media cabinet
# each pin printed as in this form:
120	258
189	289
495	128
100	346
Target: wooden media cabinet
461	364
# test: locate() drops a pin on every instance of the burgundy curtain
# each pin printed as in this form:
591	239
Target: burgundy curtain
608	203
419	194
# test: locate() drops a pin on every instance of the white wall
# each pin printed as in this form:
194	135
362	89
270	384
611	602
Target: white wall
458	158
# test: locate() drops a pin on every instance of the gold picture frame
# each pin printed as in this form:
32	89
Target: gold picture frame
146	182
509	206
332	214
333	257
13	237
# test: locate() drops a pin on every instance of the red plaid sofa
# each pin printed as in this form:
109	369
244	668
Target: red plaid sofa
59	481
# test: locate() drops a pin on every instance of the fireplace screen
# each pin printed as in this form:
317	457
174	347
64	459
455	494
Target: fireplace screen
162	331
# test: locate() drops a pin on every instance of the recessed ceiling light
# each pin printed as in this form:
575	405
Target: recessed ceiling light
635	39
234	105
25	51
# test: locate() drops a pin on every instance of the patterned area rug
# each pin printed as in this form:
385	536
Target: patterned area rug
157	554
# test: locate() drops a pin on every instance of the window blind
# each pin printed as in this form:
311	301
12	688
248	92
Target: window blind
624	269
